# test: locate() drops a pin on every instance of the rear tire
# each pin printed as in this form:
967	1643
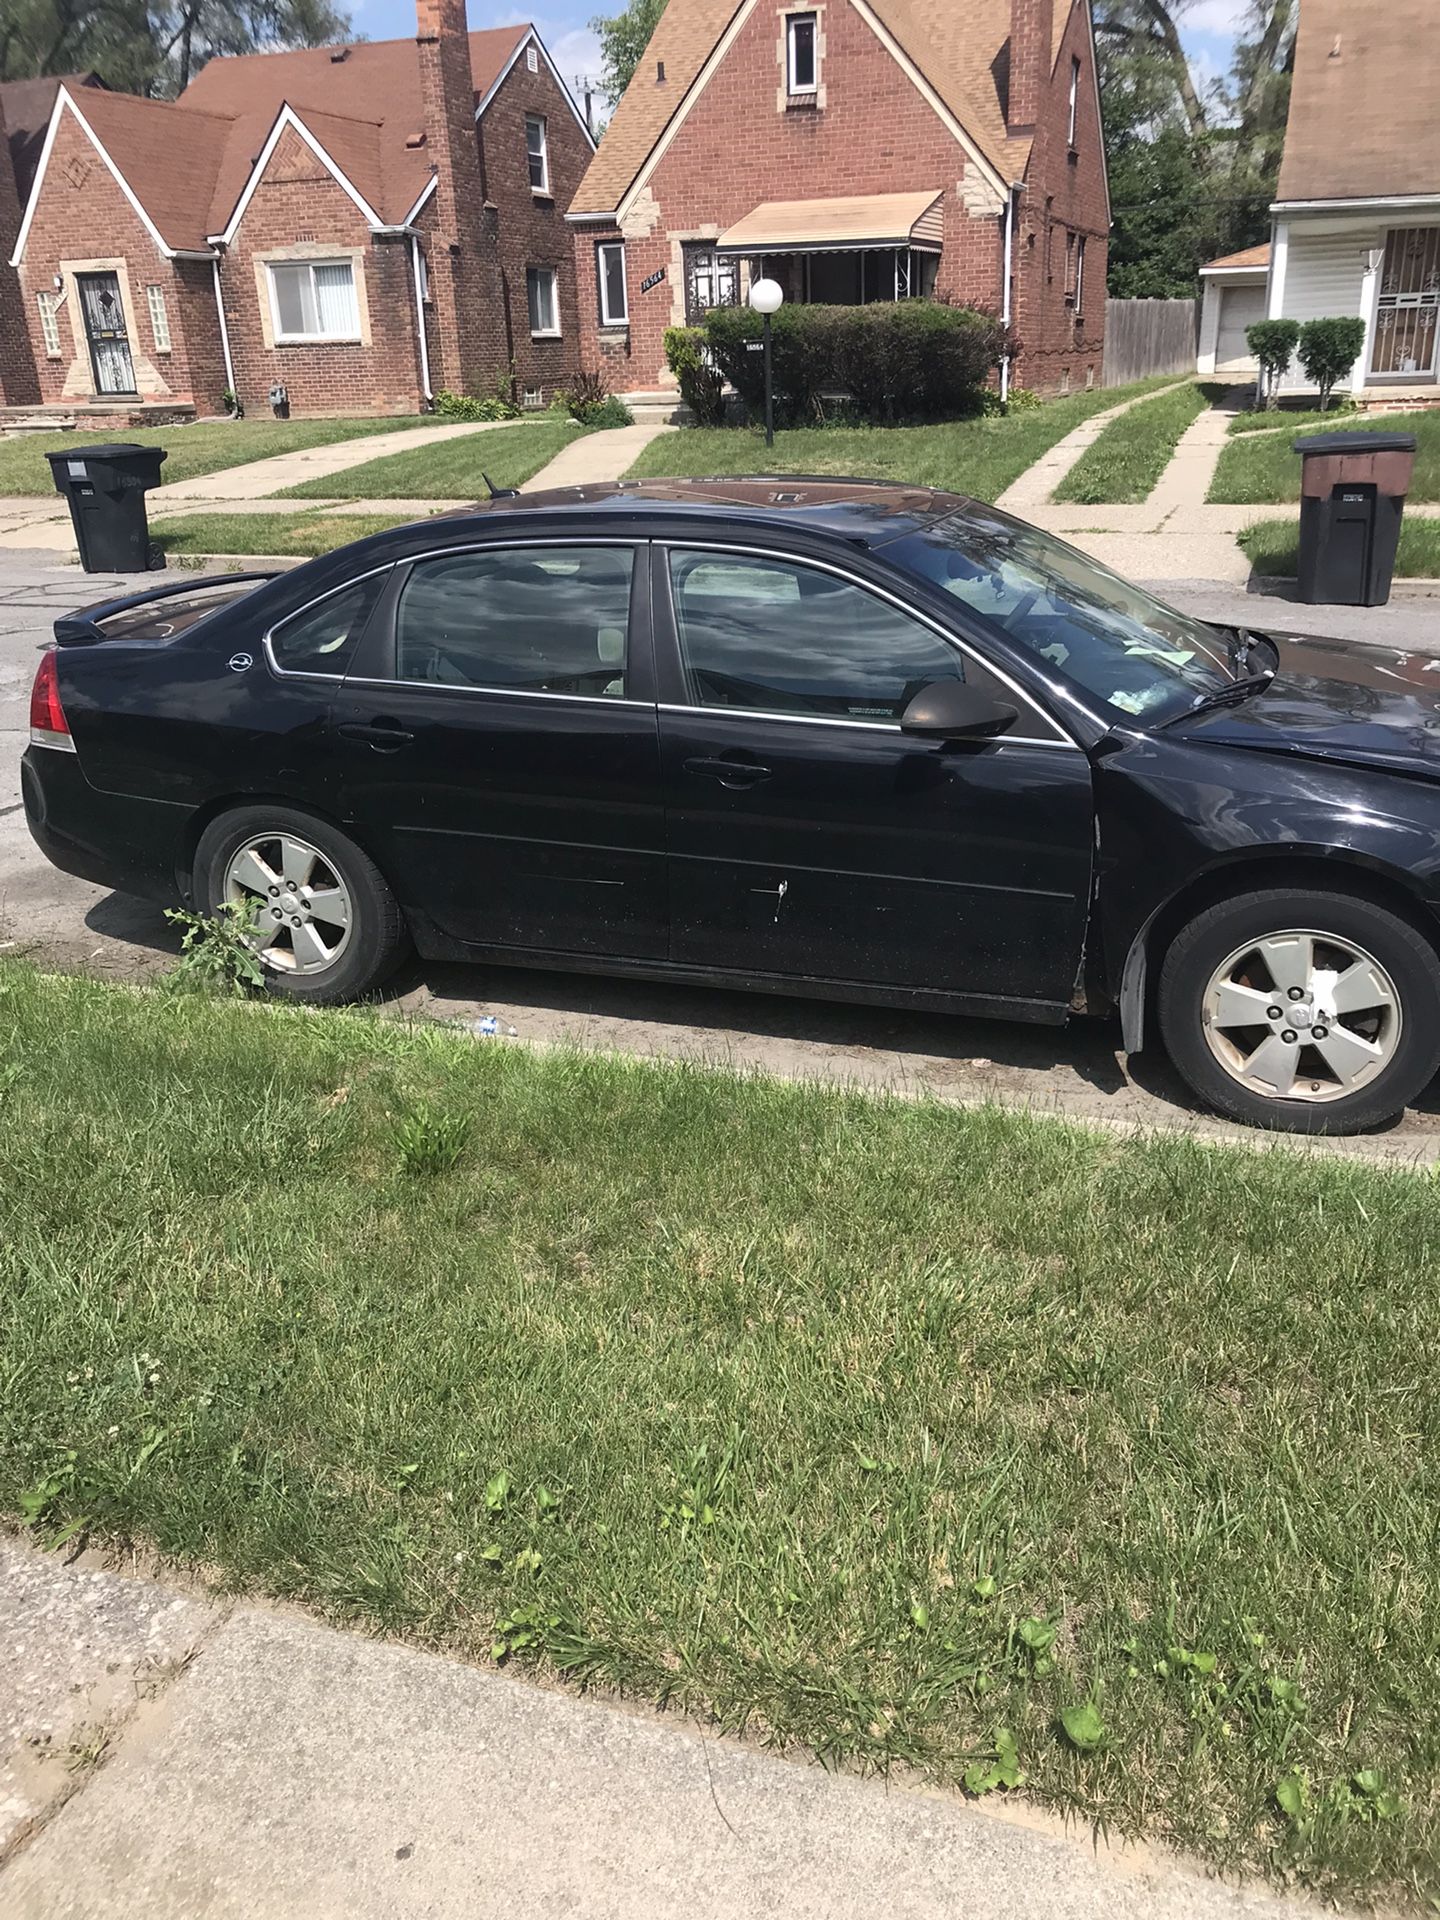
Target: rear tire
1302	1010
328	927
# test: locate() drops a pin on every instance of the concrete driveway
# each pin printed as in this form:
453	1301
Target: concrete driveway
1076	1071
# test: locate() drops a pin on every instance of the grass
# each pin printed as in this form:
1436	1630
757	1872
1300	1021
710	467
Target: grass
1129	456
206	447
448	469
1273	547
874	1426
267	533
1264	469
976	457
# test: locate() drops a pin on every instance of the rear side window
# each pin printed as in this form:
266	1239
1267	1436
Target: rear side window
519	620
324	637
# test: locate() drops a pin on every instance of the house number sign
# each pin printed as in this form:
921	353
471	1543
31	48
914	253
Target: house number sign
652	280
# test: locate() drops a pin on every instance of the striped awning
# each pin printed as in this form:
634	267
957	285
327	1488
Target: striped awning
840	226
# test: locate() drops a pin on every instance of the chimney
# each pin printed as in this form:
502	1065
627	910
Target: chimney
1031	23
465	282
19	384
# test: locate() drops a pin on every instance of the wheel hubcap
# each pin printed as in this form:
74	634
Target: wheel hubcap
298	905
1302	1015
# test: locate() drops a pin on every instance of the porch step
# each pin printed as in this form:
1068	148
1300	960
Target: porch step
92	414
658	409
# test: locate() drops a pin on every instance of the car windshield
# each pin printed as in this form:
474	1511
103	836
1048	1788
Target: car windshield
1143	659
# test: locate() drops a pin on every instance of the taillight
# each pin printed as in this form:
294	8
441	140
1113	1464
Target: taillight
48	725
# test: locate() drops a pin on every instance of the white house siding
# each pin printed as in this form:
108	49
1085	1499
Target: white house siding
1325	272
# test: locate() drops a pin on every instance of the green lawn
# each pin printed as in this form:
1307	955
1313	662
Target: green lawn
1273	547
1296	420
449	469
1263	468
206	447
976	457
872	1426
268	533
1131	453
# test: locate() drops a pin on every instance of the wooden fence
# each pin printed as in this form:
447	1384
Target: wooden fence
1149	336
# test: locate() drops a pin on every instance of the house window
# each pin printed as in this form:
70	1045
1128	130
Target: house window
534	398
537	149
544	307
1074	101
314	300
532	58
711	280
801	76
49	305
610	272
159	318
1075	272
422	267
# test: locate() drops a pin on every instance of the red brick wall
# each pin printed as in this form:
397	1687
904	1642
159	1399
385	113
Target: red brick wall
531	228
1062	195
18	383
299	203
82	215
874	134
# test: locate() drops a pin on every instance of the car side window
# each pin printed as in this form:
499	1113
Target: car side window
323	638
518	619
777	636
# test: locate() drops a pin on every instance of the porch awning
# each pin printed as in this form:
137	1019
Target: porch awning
840	226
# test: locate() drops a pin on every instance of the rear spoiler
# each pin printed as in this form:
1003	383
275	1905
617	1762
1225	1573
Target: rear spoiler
84	628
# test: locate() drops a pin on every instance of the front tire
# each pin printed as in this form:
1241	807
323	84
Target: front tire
327	927
1302	1010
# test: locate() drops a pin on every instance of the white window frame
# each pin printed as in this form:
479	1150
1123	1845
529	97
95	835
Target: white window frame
607	318
1074	103
552	274
1079	275
793	90
49	305
533	399
284	339
542	154
159	319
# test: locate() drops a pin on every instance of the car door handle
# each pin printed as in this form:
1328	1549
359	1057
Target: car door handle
383	736
730	773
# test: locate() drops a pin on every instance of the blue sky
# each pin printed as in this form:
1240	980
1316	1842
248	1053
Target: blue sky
1209	28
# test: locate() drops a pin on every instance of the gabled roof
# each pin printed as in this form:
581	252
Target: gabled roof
960	49
1248	257
1363	123
27	106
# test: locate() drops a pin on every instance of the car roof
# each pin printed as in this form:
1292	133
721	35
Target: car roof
867	511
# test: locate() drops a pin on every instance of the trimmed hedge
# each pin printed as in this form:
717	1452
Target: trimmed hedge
910	360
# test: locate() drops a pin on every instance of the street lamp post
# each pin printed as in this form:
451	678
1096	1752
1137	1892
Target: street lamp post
767	297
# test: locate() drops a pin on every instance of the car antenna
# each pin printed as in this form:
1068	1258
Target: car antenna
499	493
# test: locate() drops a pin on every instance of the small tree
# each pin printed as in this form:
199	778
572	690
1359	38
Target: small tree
1273	344
1329	349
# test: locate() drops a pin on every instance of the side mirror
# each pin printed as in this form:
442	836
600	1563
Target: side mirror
952	710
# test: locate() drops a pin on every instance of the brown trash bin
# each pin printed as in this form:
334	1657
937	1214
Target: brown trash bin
1352	499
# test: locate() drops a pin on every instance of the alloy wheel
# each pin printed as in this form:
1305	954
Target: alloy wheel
298	905
1302	1015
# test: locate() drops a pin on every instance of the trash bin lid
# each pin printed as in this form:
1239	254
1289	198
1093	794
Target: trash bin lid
1355	443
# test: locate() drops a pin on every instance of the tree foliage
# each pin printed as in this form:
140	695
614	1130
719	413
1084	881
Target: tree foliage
624	37
1273	343
156	49
1329	349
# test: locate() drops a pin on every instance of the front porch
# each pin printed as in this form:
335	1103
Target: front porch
1378	263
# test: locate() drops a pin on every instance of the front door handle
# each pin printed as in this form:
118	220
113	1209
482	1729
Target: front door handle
730	773
382	735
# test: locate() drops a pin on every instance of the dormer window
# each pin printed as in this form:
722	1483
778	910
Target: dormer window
537	149
802	66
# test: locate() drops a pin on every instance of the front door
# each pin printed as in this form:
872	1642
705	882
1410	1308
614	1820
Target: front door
105	330
1407	306
811	839
497	751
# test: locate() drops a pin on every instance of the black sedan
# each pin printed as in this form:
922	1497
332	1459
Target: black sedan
867	742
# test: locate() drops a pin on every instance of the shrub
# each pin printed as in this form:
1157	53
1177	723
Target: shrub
593	405
474	406
702	387
1273	344
912	359
1329	349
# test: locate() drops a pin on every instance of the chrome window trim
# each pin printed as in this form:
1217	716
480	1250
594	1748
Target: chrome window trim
964	647
866	726
305	673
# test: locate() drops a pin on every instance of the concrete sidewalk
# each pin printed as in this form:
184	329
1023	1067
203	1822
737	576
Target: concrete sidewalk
165	1757
597	458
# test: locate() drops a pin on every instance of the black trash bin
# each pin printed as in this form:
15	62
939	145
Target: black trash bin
1352	498
106	487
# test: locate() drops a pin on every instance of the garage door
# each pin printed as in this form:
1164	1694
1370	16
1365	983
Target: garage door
1240	307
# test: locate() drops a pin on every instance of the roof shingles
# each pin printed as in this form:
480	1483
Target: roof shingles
1363	123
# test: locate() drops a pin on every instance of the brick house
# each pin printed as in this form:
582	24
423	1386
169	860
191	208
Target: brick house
853	150
355	227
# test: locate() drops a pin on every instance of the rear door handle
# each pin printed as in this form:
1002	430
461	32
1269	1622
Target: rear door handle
730	773
382	736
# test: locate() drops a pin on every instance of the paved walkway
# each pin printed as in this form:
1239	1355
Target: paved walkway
164	1756
1036	485
598	457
